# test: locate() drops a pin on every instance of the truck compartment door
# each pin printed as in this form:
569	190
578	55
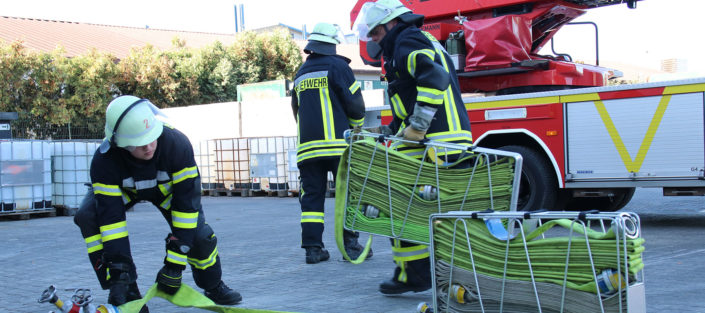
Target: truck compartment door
651	138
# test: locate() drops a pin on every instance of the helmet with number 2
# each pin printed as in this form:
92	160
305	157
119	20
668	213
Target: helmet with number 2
138	125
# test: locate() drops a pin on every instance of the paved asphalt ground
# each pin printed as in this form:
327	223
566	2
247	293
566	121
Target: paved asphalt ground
259	245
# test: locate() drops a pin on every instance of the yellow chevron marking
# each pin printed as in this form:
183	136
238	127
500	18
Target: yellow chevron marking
511	103
633	166
581	97
684	89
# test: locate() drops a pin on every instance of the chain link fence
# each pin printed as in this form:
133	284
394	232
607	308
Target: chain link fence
28	129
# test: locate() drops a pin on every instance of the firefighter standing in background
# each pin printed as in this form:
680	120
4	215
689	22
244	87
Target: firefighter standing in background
144	159
426	103
327	101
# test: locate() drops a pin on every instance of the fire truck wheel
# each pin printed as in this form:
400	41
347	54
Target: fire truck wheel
538	189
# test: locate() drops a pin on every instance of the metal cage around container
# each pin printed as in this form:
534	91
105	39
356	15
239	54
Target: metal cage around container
232	164
71	164
391	194
204	153
293	179
269	157
537	262
25	178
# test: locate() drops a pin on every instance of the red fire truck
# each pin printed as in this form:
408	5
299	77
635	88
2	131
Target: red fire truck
585	144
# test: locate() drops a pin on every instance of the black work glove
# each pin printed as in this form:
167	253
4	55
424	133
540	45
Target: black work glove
169	279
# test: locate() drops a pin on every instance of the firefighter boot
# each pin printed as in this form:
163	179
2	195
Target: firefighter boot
133	293
352	248
316	254
418	279
223	295
395	287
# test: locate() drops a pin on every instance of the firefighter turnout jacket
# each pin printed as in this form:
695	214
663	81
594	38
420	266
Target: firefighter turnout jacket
170	181
327	101
419	70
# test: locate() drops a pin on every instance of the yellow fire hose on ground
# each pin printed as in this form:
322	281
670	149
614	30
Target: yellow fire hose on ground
185	297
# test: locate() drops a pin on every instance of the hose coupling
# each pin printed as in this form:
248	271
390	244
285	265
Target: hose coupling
427	192
423	307
609	281
370	211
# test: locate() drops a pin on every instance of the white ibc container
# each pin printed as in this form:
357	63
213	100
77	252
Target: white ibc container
293	181
232	164
292	177
71	164
204	153
25	176
269	159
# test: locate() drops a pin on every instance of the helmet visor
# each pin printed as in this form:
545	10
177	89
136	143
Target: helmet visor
365	20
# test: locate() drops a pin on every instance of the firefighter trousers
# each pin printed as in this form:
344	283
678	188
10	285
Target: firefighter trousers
412	259
312	196
203	256
413	263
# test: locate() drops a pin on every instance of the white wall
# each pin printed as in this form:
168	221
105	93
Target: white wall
252	118
206	121
268	118
373	97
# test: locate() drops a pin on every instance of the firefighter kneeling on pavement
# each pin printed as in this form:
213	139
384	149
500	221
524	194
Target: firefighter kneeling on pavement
143	158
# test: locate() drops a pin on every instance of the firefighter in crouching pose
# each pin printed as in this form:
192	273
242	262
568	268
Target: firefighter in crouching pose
327	101
144	159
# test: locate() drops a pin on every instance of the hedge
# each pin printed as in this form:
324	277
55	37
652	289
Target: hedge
50	91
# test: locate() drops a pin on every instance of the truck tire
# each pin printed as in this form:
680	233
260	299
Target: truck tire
621	197
538	189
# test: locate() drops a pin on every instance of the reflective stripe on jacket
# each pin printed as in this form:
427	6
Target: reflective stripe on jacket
170	180
326	101
419	70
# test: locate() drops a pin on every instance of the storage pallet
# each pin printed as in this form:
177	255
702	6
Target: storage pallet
26	214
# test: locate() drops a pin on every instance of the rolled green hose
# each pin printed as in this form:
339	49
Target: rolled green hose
547	255
371	174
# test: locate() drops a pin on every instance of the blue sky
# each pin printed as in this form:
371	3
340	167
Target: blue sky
656	30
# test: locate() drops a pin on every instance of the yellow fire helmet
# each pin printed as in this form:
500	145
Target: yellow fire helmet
131	121
373	14
323	39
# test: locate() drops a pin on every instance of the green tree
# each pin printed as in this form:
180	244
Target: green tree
32	87
88	86
147	73
215	73
262	57
185	73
